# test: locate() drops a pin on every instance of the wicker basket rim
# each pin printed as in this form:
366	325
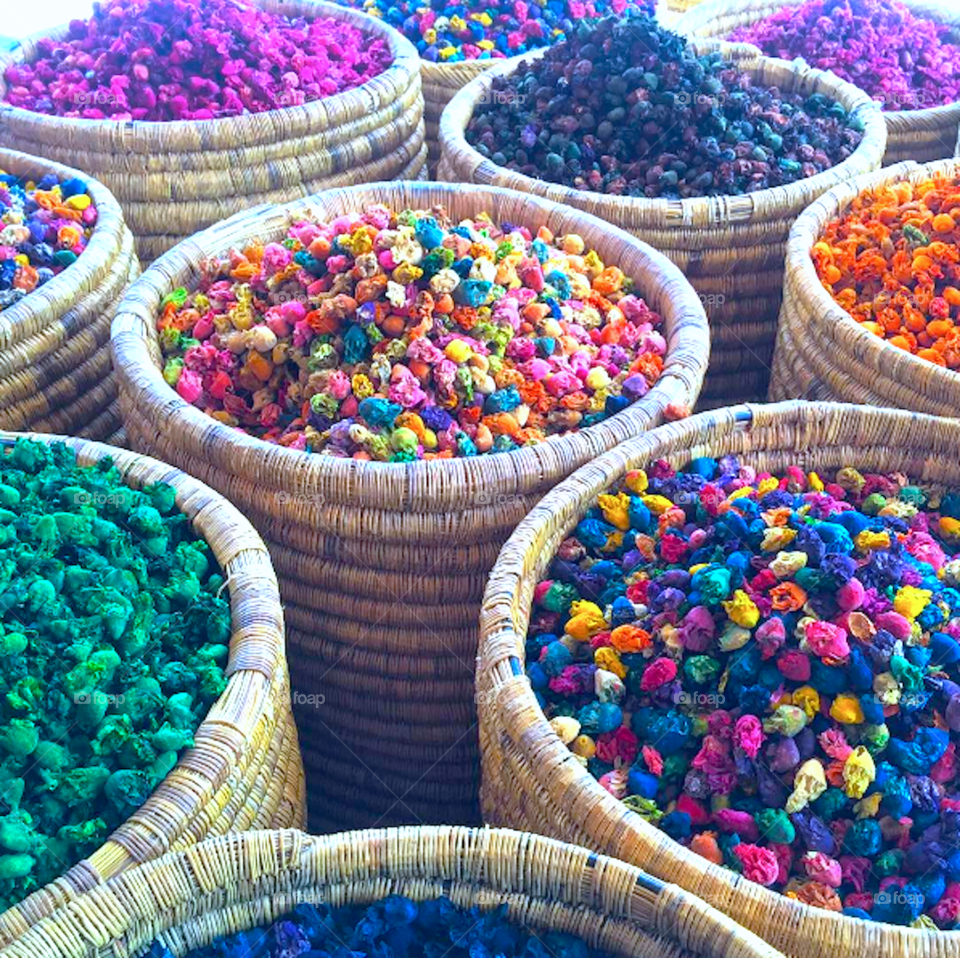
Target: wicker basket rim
432	70
159	134
171	264
101	249
479	858
214	509
945	111
579	488
677	213
824	311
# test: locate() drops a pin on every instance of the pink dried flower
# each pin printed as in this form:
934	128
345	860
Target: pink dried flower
901	60
760	865
163	60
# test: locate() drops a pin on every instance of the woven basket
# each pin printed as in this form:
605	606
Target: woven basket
822	352
173	179
244	881
441	82
54	353
244	771
381	565
529	780
730	248
921	135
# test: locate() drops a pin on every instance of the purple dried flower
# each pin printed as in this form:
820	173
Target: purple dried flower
903	61
192	60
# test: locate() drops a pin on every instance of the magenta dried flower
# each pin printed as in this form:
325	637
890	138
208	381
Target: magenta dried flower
901	60
192	60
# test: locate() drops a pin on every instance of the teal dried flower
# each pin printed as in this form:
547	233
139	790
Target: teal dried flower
113	639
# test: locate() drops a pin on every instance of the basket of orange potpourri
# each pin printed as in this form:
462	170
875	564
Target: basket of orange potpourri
871	309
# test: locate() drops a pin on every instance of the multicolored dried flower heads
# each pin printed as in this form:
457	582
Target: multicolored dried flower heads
401	335
768	668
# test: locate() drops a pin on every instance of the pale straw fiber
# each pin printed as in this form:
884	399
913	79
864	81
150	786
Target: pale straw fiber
244	881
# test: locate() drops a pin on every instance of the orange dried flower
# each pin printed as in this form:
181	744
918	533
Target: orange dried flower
787	597
893	263
630	638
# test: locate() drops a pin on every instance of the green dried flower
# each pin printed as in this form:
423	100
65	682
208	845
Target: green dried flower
113	640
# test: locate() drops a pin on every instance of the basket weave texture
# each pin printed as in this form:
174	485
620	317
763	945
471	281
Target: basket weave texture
529	779
730	247
441	82
244	771
382	565
175	178
244	881
54	343
822	352
920	135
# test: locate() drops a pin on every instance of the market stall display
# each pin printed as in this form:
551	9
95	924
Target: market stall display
531	779
144	711
66	257
904	53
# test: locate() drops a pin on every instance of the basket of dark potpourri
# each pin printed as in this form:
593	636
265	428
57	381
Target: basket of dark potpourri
708	152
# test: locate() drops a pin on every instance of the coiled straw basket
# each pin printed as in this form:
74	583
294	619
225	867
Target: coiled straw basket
244	770
912	134
730	247
441	82
175	178
529	778
245	881
822	352
382	565
54	351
